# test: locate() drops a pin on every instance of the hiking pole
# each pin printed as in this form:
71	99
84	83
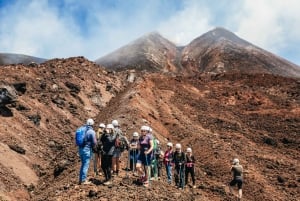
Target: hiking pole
180	180
128	164
133	168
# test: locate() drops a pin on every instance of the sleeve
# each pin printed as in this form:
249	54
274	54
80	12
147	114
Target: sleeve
193	159
94	140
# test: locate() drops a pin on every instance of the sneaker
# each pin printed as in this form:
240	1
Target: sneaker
86	182
107	183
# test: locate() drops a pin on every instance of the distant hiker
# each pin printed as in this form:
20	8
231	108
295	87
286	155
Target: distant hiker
86	140
108	140
190	166
145	146
179	160
133	151
168	158
237	172
121	144
98	150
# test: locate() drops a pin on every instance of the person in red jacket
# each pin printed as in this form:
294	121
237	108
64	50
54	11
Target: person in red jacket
190	166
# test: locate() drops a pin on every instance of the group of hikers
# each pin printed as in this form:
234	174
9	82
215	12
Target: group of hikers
145	156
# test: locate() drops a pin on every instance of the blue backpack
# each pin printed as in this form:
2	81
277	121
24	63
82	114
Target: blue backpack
80	136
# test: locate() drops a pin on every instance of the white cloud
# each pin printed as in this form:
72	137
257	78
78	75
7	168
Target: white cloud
186	24
270	24
41	28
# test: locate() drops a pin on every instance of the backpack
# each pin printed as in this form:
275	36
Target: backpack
121	143
155	146
80	136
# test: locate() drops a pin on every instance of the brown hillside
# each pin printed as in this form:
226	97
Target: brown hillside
254	117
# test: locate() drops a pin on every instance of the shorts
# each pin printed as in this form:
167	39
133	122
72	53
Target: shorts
117	153
239	182
144	159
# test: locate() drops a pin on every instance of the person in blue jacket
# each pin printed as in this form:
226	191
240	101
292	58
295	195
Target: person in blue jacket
85	151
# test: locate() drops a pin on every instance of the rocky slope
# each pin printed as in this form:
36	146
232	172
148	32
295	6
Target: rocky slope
251	116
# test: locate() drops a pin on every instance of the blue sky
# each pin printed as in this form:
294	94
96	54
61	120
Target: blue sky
94	28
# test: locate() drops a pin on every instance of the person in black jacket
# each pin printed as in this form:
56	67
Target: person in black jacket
108	141
179	159
190	166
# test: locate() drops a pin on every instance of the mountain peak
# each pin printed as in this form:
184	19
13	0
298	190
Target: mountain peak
219	34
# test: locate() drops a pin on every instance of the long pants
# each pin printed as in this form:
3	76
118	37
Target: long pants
190	170
97	157
106	161
179	176
169	172
133	159
85	154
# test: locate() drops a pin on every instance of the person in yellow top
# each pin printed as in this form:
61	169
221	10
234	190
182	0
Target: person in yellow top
98	150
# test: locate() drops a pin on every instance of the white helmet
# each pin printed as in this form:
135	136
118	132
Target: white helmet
110	126
235	161
115	123
169	144
189	150
90	122
178	146
101	125
135	134
145	128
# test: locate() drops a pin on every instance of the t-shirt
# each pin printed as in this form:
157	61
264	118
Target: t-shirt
237	171
145	142
190	161
108	141
90	137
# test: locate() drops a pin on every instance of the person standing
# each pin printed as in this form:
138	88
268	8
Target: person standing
85	151
179	160
108	141
121	144
190	167
133	151
144	159
237	173
98	149
168	157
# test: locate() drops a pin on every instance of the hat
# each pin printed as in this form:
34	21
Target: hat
169	144
110	126
101	125
178	146
189	150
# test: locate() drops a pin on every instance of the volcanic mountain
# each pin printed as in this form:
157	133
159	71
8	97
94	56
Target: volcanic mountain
151	52
6	58
220	113
216	51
